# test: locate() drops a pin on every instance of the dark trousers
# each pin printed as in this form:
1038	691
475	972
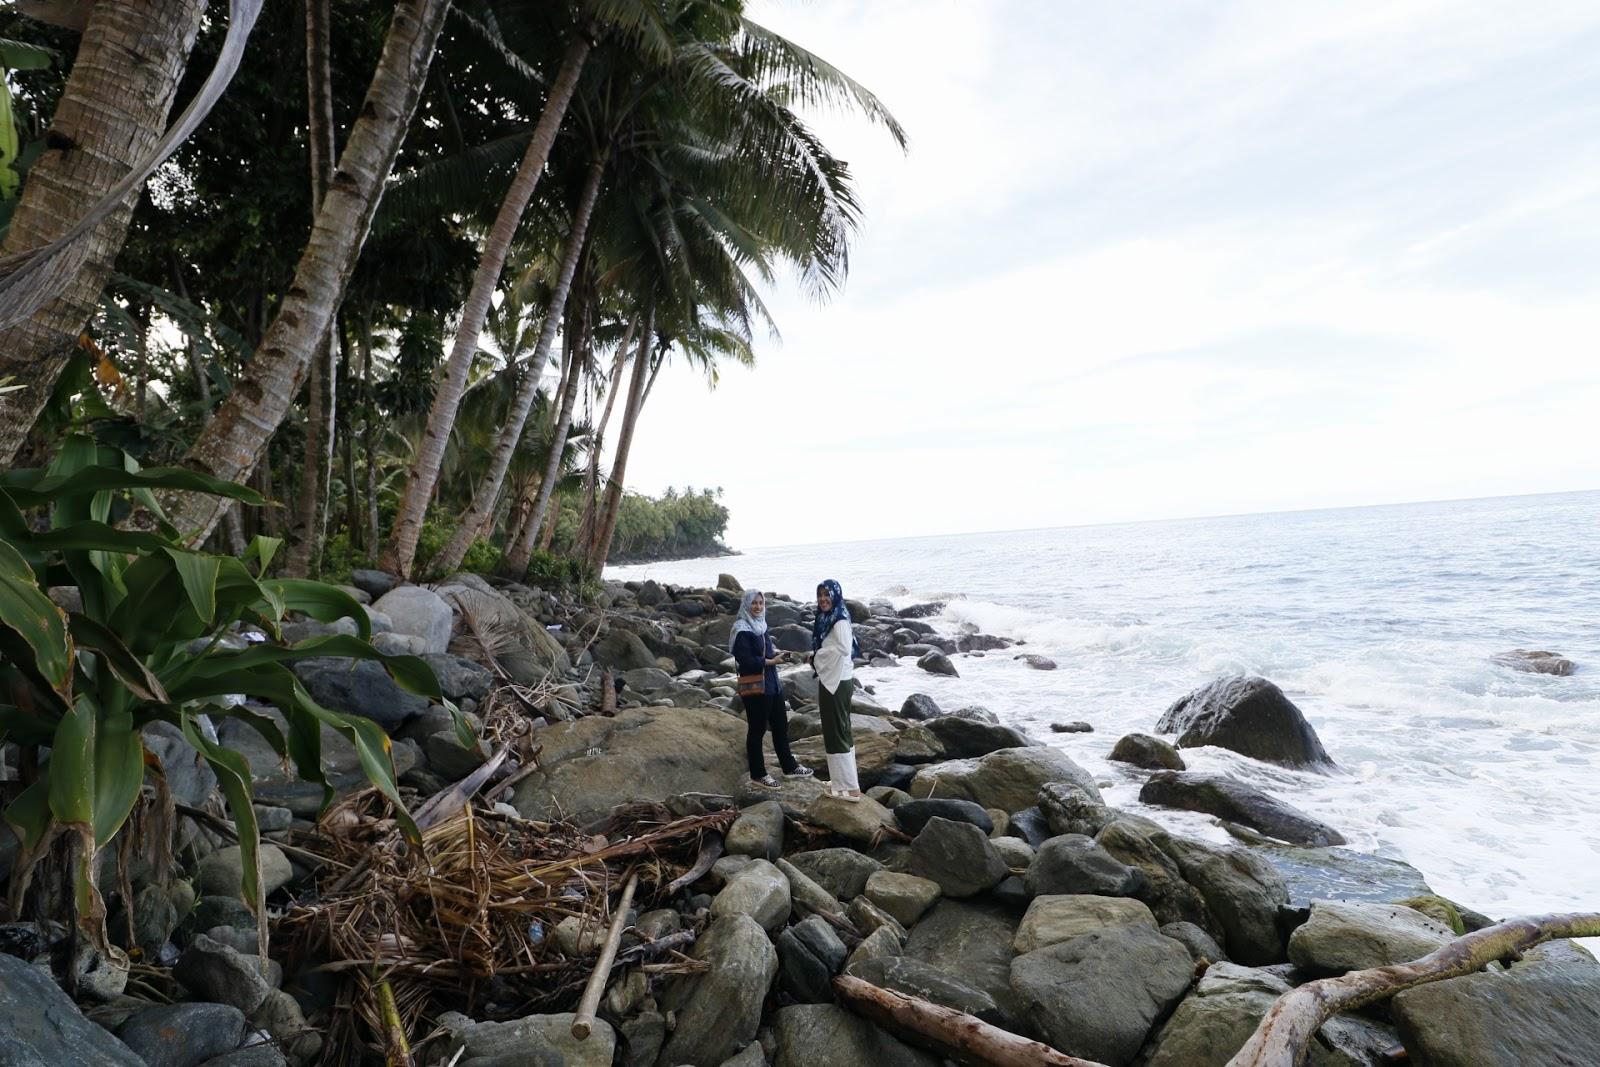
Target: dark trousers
765	713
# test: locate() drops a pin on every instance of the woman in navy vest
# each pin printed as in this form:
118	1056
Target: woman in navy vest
755	653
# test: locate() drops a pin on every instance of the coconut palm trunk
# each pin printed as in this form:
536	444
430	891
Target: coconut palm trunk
399	554
591	478
231	445
612	507
111	114
483	501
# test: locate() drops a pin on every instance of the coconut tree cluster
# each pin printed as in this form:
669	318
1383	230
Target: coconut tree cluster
414	275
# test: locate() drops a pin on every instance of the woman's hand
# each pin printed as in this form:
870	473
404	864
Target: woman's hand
775	660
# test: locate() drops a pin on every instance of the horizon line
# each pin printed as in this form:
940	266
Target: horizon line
1171	518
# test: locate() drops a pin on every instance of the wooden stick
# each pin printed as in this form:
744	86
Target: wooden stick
397	1050
583	1022
945	1031
1286	1031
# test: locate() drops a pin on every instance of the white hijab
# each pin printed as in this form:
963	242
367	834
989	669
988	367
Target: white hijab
748	623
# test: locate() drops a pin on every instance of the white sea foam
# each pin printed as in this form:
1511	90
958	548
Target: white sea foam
1481	776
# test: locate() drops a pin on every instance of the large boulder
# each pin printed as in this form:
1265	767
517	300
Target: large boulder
1351	936
459	677
1052	919
1542	1012
1242	891
813	1034
360	687
1215	1021
622	650
1075	864
181	1035
1097	995
964	738
1151	753
758	831
971	942
760	891
1342	874
919	706
1009	779
860	820
590	765
1250	716
420	613
843	872
938	663
1228	798
1069	810
526	649
1536	662
719	1009
904	896
913	815
915	978
958	856
41	1027
809	955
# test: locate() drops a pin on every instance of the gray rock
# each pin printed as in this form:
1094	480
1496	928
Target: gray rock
373	582
420	613
905	896
791	638
1069	810
971	942
805	893
842	872
867	917
913	815
360	687
915	978
1242	892
1201	945
1015	853
189	777
1351	936
155	917
809	955
41	1027
1075	864
221	874
958	856
1098	995
882	942
966	738
1053	919
919	706
1228	798
758	831
460	678
1148	752
214	972
1539	1013
1215	1021
1250	716
1037	662
183	1035
1030	826
1520	659
448	757
642	1038
1342	874
938	663
1076	726
622	650
753	1055
1170	897
249	1056
813	1034
760	891
535	1041
1009	779
719	1009
859	820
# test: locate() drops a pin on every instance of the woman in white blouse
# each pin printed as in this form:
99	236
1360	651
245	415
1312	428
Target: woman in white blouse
834	646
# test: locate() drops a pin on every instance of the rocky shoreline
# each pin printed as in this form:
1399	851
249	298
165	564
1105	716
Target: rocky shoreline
984	873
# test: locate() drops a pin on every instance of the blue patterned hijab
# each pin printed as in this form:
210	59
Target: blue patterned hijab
747	622
825	623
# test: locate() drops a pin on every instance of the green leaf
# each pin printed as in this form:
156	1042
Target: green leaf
321	601
20	55
35	618
262	549
30	813
93	535
128	668
72	764
233	777
118	774
73	482
199	574
412	673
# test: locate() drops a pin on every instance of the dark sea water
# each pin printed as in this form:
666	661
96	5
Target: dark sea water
1379	622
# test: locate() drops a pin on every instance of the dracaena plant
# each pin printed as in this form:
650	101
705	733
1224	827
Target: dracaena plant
147	645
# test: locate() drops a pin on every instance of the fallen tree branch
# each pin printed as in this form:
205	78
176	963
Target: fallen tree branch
583	1020
945	1031
1286	1031
710	852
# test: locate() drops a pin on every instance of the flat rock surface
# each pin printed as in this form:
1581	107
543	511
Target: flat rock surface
1352	936
1051	919
1009	779
40	1025
1228	798
810	1035
1536	1014
971	942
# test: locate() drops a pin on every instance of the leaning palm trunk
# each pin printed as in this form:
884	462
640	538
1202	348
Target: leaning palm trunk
591	478
111	114
488	492
399	554
601	548
231	445
311	504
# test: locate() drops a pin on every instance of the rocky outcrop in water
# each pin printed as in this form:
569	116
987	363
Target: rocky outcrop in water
1250	716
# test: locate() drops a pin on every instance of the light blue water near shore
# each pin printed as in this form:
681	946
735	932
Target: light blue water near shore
1379	622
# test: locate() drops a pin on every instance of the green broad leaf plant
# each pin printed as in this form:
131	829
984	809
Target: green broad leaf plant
153	641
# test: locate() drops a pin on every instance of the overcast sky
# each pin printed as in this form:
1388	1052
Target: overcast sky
1150	258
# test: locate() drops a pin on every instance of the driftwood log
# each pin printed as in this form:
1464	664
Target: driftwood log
583	1021
945	1031
1284	1035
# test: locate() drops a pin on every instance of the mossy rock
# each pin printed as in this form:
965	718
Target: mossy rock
1438	909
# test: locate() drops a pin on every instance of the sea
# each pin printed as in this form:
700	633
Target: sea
1380	623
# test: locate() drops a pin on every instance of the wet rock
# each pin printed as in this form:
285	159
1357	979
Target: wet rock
1076	726
809	955
916	978
1520	659
719	1009
1148	752
1350	936
919	706
938	663
41	1027
813	1034
843	872
1229	798
965	738
1053	919
1201	945
922	611
758	831
905	896
183	1035
222	873
419	613
971	942
1030	825
1075	864
360	687
1037	662
913	815
1250	716
958	856
1539	1012
1242	891
1341	874
1009	779
759	891
1069	810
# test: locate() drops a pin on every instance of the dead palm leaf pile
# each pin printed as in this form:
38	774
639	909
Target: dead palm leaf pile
468	923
